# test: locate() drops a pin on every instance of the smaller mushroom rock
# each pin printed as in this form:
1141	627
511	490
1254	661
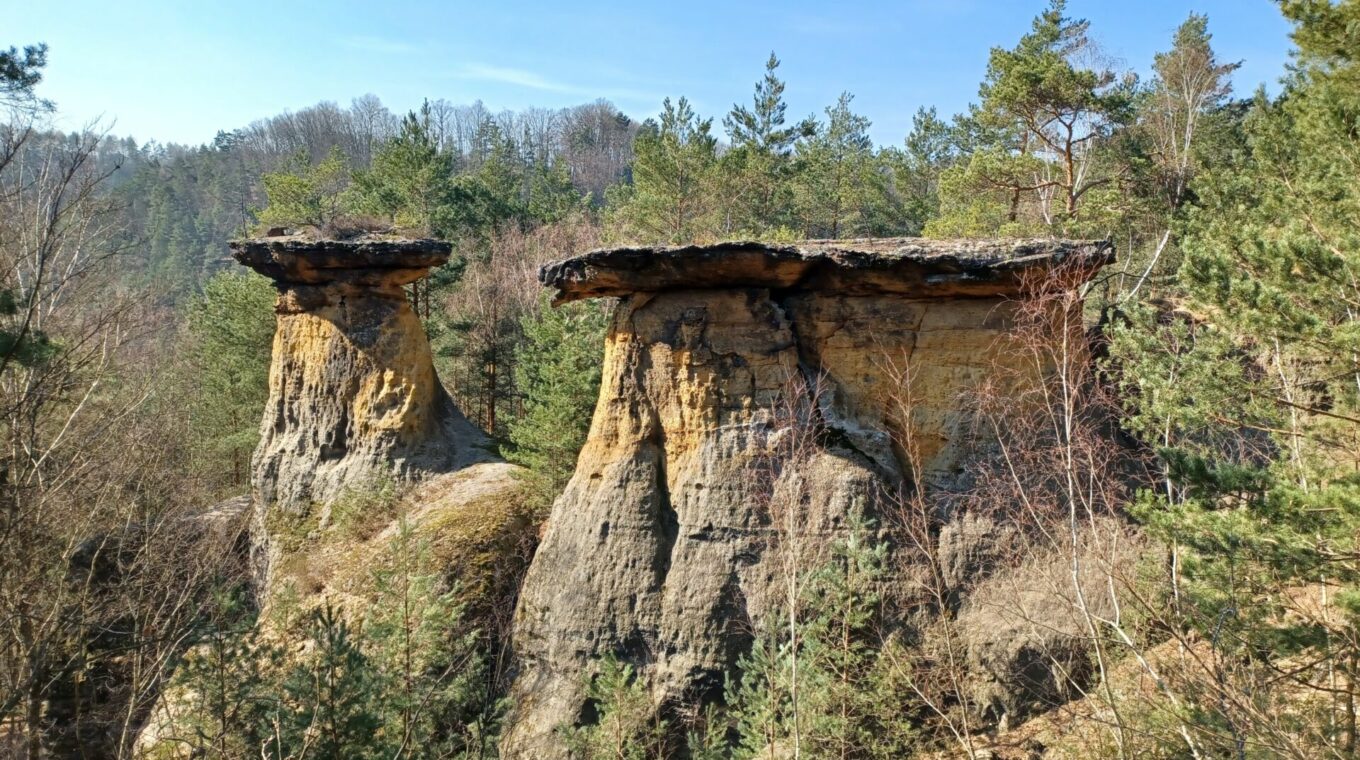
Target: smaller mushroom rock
353	394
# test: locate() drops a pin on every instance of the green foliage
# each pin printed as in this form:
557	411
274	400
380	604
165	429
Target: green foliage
327	697
1188	84
20	343
362	509
180	209
20	72
761	126
428	659
626	727
930	148
1183	123
840	190
228	705
826	684
557	369
551	195
975	199
1182	380
708	740
755	171
500	171
1042	116
671	199
407	681
301	194
1253	406
1037	80
1271	248
231	332
412	184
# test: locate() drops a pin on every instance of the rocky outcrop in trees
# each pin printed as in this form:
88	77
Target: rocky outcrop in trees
718	357
364	465
353	395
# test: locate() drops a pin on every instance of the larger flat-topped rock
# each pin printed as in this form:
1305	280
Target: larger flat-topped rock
371	260
662	550
884	266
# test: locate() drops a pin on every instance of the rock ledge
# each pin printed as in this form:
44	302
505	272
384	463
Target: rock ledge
298	259
914	267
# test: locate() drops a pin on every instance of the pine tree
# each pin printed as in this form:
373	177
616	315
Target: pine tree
230	700
1042	114
20	72
829	692
302	194
557	369
502	175
1255	408
231	334
930	148
330	697
756	169
426	658
671	199
625	726
21	344
412	184
552	196
839	187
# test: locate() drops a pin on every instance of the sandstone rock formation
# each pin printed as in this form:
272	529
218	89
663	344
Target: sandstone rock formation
357	417
353	395
656	551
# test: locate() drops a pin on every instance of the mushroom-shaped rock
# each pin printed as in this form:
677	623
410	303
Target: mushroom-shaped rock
353	394
353	399
740	381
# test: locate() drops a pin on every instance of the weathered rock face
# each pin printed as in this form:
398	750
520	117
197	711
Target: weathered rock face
657	550
353	394
355	404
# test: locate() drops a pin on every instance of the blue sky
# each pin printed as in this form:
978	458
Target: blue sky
179	71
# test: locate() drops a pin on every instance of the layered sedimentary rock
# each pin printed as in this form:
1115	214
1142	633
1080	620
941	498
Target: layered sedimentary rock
353	396
717	357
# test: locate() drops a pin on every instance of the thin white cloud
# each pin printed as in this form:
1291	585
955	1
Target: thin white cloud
483	72
518	77
379	45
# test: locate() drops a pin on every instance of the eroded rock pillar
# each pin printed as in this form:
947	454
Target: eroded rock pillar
659	550
353	395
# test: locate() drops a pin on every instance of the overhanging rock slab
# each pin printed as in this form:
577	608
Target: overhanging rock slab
885	266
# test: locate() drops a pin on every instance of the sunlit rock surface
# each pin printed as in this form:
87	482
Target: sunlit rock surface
656	552
357	419
353	395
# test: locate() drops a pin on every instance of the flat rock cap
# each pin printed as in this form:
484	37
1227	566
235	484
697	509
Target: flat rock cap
369	260
915	267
